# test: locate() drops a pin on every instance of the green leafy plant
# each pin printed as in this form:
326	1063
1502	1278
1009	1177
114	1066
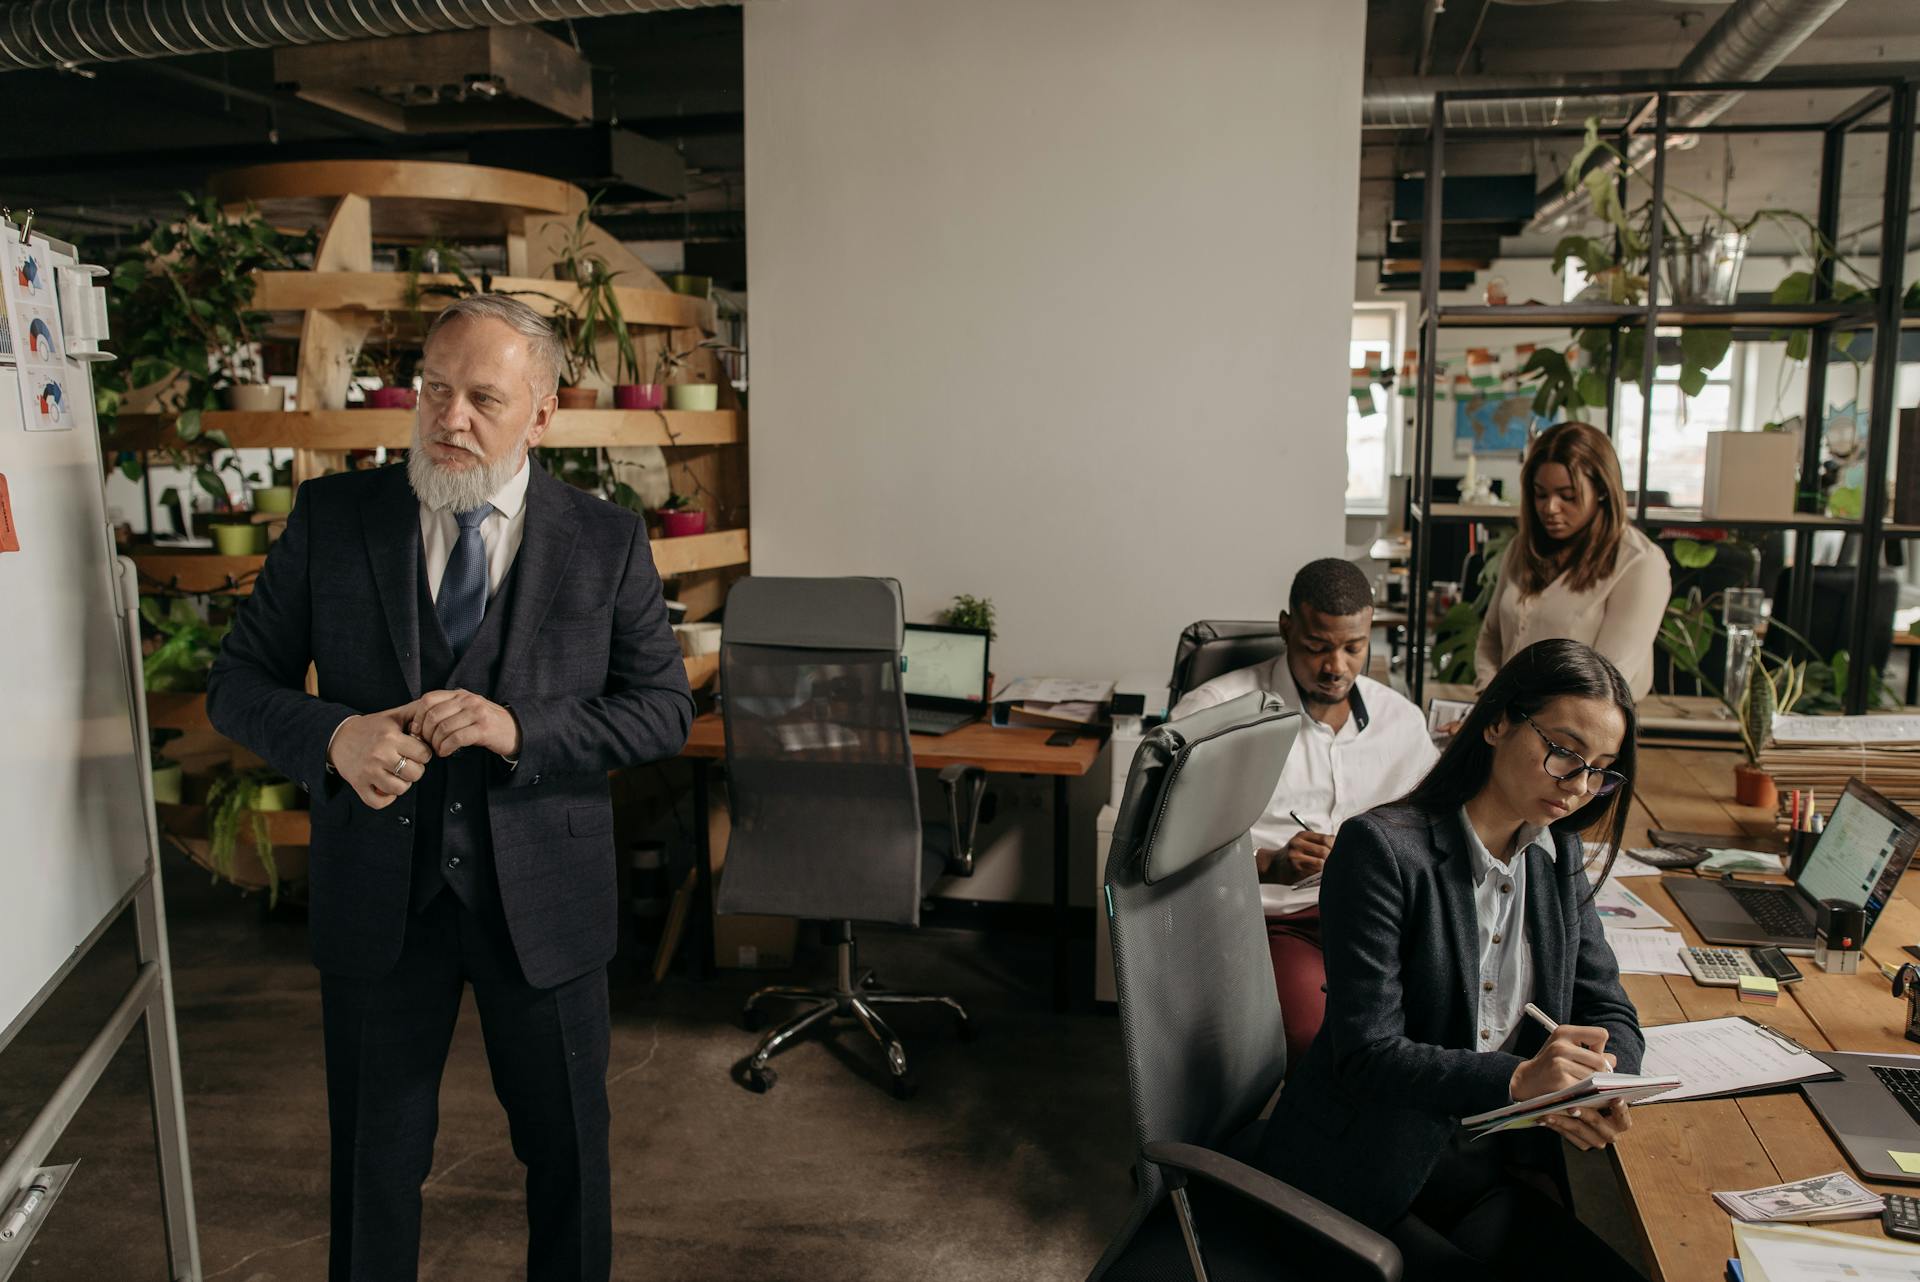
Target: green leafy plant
1456	637
677	502
597	314
972	612
229	799
181	302
387	357
180	663
1773	689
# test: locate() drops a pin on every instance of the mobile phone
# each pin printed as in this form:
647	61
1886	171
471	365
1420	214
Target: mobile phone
1062	739
1777	965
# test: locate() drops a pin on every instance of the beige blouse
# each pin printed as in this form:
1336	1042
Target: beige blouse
1619	616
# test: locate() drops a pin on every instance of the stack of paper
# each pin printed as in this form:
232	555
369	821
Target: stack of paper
1732	1055
1823	1197
1822	753
1761	989
1053	702
1791	1253
1647	952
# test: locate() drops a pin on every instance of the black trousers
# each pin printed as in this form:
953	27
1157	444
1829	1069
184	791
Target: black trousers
386	1045
1482	1218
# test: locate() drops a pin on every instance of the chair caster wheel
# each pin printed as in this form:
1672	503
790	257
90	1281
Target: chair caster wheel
761	1080
968	1033
904	1087
753	1019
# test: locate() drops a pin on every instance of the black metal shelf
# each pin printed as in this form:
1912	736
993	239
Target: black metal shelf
1583	315
1658	518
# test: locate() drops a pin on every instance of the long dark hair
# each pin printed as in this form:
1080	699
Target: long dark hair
1589	555
1531	679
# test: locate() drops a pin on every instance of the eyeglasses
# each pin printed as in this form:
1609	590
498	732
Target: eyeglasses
1564	764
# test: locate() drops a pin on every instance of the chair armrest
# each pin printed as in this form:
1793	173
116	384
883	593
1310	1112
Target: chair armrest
1179	1161
965	788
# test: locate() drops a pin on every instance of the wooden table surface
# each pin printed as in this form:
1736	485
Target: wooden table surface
1013	750
1677	1154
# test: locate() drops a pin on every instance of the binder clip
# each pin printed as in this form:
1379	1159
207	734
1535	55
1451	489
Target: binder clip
1906	983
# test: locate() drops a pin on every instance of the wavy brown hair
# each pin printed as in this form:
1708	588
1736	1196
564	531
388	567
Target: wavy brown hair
1587	557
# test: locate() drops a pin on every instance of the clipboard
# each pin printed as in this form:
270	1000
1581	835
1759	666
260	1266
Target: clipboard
1729	1056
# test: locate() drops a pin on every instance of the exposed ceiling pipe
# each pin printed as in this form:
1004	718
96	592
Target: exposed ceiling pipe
1406	102
1751	39
36	34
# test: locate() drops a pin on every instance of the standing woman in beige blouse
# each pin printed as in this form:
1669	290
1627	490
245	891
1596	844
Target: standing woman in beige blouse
1577	568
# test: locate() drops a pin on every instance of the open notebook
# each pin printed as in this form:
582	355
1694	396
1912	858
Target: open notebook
1594	1092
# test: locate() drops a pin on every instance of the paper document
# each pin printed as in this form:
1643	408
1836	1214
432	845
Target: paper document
1055	690
1595	1092
1726	1056
1446	711
1731	859
1811	729
1625	866
1277	901
1837	1196
1647	952
1794	1253
1621	909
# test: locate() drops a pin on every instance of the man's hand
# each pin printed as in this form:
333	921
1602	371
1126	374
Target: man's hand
1306	853
377	756
449	720
1573	1053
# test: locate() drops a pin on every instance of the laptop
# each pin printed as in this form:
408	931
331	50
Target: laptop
944	673
1872	1112
1860	858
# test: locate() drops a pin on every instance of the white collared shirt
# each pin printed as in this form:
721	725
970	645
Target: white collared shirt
1506	962
1331	775
500	533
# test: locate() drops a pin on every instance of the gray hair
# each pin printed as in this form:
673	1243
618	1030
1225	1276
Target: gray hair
543	344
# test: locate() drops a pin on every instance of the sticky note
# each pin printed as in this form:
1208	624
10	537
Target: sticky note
1759	988
9	535
1908	1162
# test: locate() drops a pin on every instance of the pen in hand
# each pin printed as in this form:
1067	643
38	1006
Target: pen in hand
1304	825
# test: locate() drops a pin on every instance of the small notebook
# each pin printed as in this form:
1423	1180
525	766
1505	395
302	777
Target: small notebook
1594	1092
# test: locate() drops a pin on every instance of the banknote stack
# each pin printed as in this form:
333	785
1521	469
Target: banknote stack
1824	1197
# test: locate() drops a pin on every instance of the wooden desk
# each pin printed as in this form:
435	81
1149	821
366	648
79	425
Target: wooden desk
1678	1154
1008	750
1690	717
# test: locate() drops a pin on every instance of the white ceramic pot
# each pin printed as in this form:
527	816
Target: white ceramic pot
693	396
697	639
257	398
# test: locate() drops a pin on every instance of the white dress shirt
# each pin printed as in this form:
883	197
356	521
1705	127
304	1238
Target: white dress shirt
1506	962
500	533
1331	775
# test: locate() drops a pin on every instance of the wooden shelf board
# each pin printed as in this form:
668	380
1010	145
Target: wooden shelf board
200	572
302	291
1751	315
177	711
500	192
284	827
393	429
1656	516
702	669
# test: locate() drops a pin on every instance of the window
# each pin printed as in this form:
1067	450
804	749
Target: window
1372	420
1677	454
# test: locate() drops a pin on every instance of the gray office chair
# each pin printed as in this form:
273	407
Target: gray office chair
821	786
1215	647
1200	1020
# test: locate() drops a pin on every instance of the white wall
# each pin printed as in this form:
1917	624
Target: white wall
1050	305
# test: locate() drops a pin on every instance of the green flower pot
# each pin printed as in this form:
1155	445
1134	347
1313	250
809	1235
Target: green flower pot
284	795
168	778
685	283
273	498
693	396
230	538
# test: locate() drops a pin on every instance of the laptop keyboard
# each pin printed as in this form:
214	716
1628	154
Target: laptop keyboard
938	722
1904	1084
1772	911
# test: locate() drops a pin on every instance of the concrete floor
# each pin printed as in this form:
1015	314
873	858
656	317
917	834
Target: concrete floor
1009	1164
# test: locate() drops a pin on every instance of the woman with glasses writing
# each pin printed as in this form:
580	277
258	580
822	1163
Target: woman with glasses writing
1444	915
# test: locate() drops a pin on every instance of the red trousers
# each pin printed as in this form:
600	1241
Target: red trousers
1300	975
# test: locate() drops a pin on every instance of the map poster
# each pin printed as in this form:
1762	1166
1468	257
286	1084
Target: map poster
1496	423
39	347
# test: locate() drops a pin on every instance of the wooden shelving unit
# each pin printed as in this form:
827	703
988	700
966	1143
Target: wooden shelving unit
335	430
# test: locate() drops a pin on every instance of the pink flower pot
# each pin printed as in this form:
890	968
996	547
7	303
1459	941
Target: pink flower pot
392	398
676	525
639	396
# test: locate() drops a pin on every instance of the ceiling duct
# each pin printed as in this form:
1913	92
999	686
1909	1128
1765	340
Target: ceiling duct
1407	102
37	34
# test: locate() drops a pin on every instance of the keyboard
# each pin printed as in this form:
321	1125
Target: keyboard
921	721
1775	911
1903	1084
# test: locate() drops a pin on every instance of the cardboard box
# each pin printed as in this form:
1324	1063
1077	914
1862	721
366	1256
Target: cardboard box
1751	475
742	941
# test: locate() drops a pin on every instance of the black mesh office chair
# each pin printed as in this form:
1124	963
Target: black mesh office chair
1830	628
821	786
1215	647
1200	1020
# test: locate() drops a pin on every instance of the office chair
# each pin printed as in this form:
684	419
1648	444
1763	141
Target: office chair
1214	647
1199	1018
1830	627
822	791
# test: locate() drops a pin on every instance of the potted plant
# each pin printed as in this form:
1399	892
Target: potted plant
679	517
1771	691
674	370
387	360
972	612
595	316
633	394
229	800
168	777
276	498
179	663
237	534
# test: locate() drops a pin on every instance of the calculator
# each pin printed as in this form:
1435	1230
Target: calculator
1901	1216
1723	967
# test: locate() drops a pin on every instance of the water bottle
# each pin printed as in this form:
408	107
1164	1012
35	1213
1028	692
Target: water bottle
1740	615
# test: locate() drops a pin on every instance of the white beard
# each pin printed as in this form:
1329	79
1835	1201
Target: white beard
447	489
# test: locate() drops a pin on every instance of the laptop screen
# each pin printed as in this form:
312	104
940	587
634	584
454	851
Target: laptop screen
1860	857
945	663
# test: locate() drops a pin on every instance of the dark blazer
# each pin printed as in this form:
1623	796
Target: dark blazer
1377	1097
591	671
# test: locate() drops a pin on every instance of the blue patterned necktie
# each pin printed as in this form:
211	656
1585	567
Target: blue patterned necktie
462	602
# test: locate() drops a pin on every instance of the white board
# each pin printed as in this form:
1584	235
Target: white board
73	825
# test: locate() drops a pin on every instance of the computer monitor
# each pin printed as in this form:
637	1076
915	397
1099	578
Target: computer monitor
944	666
1860	857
